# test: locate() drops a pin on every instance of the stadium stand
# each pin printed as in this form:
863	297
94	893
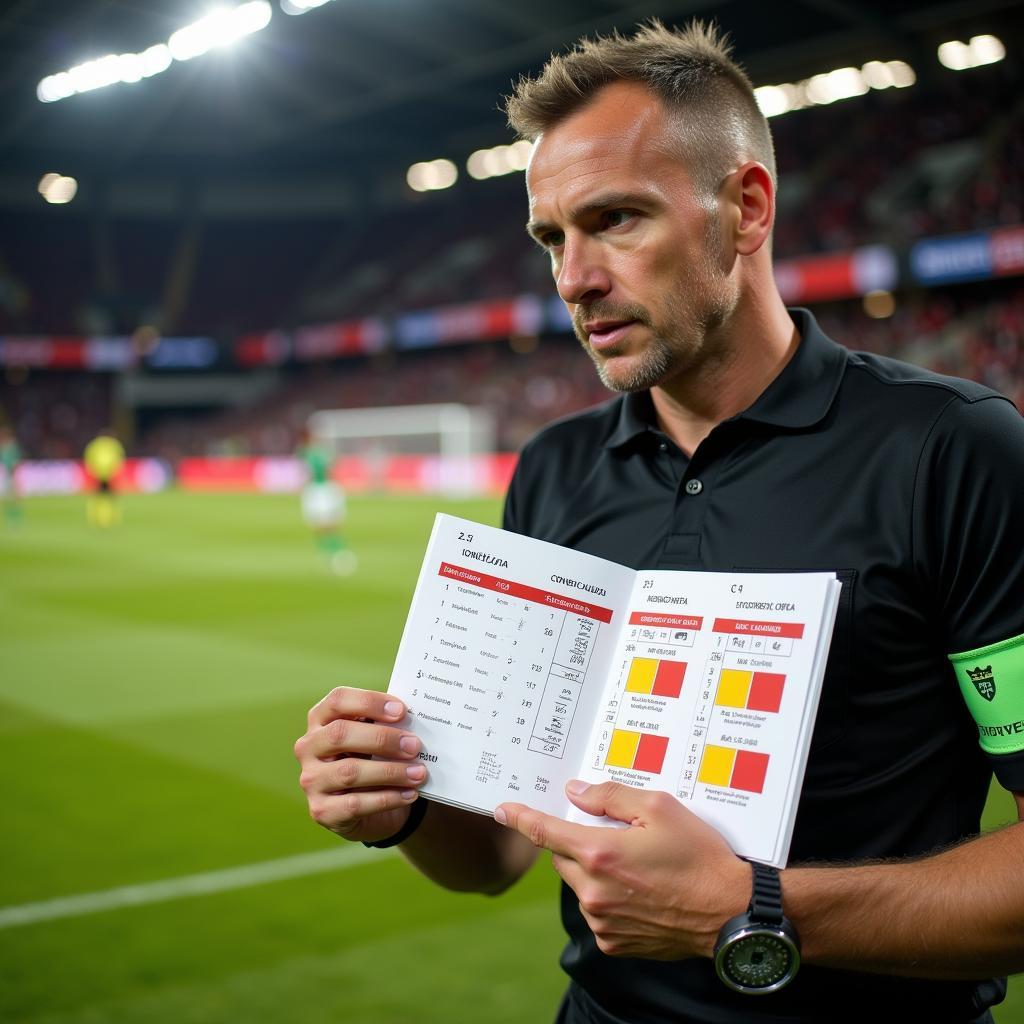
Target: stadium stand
890	167
902	164
973	332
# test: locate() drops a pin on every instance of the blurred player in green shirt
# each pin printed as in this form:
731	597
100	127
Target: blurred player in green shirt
104	457
323	506
10	456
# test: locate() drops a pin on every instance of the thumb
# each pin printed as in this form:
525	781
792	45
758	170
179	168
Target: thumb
611	799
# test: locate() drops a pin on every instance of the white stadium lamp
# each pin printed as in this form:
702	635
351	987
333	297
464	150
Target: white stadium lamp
219	28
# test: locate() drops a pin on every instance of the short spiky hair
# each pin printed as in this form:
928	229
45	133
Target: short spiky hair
689	69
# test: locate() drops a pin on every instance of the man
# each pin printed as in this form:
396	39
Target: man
10	456
745	440
103	458
323	505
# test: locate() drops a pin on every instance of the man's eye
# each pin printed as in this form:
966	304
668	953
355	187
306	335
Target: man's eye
616	218
553	239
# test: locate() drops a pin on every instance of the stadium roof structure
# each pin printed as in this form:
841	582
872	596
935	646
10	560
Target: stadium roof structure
337	103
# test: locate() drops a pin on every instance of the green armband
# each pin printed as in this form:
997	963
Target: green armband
992	682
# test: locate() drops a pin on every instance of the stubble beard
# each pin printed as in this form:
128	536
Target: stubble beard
680	344
664	355
645	366
642	372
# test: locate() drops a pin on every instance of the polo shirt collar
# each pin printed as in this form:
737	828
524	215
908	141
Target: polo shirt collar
802	394
799	397
635	418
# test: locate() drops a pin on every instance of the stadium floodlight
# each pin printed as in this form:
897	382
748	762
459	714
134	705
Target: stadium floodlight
430	175
773	100
830	86
903	75
104	71
57	188
959	56
878	75
987	49
841	84
218	28
96	73
300	6
55	87
156	59
489	163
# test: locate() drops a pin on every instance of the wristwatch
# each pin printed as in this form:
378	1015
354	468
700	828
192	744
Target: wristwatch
759	951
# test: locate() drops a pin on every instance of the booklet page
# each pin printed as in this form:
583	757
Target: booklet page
503	663
712	696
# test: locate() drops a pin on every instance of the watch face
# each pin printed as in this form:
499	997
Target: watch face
760	961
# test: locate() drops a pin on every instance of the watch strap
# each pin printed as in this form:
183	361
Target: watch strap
417	813
766	895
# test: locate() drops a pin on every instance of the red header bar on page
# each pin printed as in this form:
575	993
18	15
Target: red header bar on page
521	590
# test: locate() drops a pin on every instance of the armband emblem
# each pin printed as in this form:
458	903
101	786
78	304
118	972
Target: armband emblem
997	708
984	681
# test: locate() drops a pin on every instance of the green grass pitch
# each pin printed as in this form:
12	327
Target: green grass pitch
152	681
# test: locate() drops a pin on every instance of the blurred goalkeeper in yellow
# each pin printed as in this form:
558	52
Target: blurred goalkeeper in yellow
103	457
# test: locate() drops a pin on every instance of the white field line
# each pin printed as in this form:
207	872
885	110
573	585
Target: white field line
190	885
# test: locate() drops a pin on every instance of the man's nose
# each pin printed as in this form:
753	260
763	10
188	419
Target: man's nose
581	275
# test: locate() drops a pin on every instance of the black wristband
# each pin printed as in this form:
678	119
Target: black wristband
766	898
416	815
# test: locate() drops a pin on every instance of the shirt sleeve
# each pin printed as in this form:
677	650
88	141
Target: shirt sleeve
969	509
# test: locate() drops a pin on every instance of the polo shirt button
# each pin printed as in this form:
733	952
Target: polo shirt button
694	487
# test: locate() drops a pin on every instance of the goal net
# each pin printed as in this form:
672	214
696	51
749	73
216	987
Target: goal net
443	446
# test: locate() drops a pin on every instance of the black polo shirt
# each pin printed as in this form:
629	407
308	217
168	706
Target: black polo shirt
909	486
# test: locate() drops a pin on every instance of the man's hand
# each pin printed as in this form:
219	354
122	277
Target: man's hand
359	769
660	889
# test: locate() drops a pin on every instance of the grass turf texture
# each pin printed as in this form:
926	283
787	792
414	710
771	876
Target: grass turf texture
152	680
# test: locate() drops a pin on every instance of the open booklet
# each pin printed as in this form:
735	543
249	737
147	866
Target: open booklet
525	664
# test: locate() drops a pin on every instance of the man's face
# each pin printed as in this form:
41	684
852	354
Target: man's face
635	251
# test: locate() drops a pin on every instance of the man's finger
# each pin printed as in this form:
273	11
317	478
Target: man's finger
344	736
351	773
351	702
610	799
347	810
570	872
543	830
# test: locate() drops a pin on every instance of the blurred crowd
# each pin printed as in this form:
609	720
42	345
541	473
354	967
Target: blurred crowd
55	414
974	331
899	165
892	166
968	332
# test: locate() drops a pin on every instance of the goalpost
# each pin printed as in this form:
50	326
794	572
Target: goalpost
454	439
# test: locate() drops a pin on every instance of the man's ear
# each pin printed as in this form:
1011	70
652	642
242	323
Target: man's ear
750	191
